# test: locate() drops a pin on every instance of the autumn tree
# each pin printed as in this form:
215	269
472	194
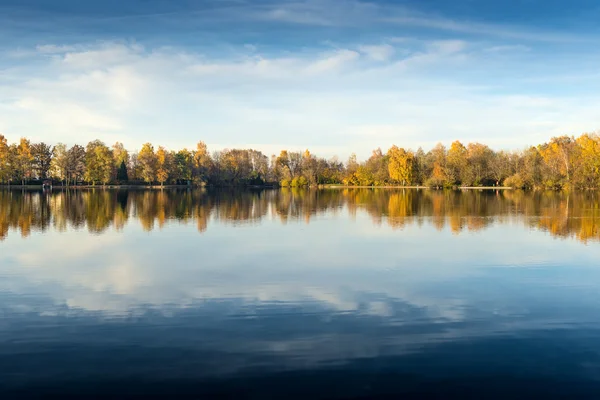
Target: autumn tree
588	161
457	164
308	166
24	160
147	163
235	166
401	165
532	166
163	165
60	163
499	167
377	167
438	163
259	166
76	164
99	162
289	164
352	164
5	166
202	163
558	157
133	167
479	157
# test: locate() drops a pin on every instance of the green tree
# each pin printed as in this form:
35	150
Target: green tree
120	156
122	175
184	165
42	158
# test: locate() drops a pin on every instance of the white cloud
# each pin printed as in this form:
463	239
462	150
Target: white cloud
67	116
54	49
272	68
378	52
446	47
337	101
106	55
508	48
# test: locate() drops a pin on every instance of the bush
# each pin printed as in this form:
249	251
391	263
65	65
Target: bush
515	181
434	183
302	181
284	183
299	181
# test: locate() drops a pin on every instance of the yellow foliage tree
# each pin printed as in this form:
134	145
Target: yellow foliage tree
401	165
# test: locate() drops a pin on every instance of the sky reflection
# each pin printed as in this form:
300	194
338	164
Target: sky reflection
273	296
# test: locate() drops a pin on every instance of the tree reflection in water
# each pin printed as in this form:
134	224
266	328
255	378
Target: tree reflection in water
574	215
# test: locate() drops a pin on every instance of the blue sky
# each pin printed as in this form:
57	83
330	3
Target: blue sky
334	76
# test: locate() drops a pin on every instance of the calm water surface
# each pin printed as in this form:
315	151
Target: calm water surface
319	294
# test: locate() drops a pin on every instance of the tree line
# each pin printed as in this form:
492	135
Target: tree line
564	162
562	214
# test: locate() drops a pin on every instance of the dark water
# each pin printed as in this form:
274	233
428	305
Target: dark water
299	294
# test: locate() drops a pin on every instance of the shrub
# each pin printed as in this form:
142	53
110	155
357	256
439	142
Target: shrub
302	181
515	181
434	183
284	183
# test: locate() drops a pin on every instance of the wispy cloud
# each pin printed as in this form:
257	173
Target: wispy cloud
339	75
377	52
416	96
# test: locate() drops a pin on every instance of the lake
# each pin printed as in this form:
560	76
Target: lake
337	293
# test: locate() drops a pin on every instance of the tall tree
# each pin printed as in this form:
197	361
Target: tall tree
259	165
202	163
24	160
147	160
99	162
120	157
76	164
42	157
377	167
499	167
401	165
60	163
437	158
163	165
479	157
457	164
122	175
5	167
290	163
558	157
588	161
184	165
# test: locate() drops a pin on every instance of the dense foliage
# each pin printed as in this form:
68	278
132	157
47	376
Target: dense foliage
562	163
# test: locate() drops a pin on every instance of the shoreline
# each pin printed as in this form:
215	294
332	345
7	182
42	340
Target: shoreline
328	186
